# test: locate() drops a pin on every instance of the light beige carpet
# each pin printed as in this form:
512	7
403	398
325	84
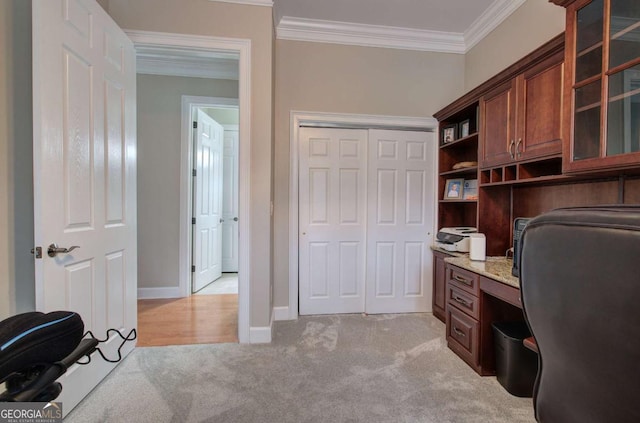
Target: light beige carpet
349	368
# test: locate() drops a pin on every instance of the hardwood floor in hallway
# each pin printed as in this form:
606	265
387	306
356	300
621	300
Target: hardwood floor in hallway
197	319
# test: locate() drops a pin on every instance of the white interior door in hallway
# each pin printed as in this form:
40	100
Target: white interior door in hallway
230	234
207	202
84	91
365	215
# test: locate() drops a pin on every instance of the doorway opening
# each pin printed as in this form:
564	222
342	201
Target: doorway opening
192	58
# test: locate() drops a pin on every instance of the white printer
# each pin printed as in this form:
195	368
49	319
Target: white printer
455	239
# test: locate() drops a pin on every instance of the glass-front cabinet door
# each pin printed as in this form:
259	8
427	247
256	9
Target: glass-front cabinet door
603	45
623	116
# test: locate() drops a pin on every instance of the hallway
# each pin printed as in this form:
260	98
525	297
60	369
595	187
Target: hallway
197	319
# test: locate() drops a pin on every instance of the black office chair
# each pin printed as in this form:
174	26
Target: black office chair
580	286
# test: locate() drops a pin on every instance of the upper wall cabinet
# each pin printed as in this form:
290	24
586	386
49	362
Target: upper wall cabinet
521	119
602	82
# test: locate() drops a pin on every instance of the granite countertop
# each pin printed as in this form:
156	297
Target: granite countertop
496	268
451	253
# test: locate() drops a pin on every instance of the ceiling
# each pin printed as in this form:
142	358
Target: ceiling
433	15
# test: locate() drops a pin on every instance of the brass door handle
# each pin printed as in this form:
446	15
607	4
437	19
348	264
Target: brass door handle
511	151
54	250
518	151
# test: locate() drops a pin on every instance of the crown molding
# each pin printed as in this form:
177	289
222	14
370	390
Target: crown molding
266	3
300	29
489	20
321	31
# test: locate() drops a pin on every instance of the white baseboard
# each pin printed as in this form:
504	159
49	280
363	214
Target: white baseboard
281	313
155	293
261	334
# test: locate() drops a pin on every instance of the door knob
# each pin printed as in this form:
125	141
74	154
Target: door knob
221	220
235	219
54	250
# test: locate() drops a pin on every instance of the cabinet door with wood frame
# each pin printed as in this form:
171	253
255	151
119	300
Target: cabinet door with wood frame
522	119
439	285
497	125
602	84
539	110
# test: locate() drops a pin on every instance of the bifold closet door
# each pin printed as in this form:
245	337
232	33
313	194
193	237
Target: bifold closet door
332	220
400	219
365	214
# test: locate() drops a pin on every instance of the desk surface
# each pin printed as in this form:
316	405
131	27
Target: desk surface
496	268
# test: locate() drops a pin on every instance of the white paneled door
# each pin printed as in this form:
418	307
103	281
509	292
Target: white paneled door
365	219
85	175
207	202
230	235
332	220
399	219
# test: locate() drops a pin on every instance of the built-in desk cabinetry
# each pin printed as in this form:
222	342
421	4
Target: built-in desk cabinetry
439	285
559	128
513	131
474	302
463	313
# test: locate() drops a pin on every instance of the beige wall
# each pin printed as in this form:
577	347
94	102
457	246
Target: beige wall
159	105
16	181
533	24
347	79
201	17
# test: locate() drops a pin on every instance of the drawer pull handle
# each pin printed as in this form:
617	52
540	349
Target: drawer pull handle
463	280
461	301
458	332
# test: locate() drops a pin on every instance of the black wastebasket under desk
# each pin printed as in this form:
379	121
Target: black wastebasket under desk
516	365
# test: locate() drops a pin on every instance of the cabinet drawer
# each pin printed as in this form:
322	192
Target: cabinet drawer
463	279
462	335
463	301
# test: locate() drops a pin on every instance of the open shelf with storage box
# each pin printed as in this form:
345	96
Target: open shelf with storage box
458	164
